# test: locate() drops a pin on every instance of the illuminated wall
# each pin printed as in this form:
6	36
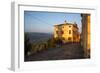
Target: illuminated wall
67	32
86	34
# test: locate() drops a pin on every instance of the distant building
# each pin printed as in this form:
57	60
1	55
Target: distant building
85	42
67	32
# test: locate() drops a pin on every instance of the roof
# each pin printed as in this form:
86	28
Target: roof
66	24
74	24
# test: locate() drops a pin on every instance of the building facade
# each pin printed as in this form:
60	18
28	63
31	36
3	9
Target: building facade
67	32
85	42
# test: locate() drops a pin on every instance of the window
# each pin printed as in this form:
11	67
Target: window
74	38
69	31
69	26
56	32
62	32
69	38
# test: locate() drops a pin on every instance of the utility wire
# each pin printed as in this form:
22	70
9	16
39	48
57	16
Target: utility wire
41	20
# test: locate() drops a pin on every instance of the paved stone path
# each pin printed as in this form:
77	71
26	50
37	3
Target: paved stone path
67	51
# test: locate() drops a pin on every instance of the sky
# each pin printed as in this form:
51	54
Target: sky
43	22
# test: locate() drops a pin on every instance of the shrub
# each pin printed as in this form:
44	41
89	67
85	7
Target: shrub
51	43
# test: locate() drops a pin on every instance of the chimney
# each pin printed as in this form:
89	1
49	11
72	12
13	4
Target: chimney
65	22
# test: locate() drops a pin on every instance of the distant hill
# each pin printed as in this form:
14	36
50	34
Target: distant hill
35	37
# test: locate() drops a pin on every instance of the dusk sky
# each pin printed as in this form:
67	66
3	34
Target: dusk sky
44	21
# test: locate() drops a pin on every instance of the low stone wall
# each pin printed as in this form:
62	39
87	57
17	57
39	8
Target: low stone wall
39	47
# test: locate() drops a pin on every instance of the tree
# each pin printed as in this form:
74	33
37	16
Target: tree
27	45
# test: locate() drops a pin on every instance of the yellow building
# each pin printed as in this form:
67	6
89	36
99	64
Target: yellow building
86	34
67	32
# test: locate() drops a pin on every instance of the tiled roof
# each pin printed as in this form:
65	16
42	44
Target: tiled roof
65	24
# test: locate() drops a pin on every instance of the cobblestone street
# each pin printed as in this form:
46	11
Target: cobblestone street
66	51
